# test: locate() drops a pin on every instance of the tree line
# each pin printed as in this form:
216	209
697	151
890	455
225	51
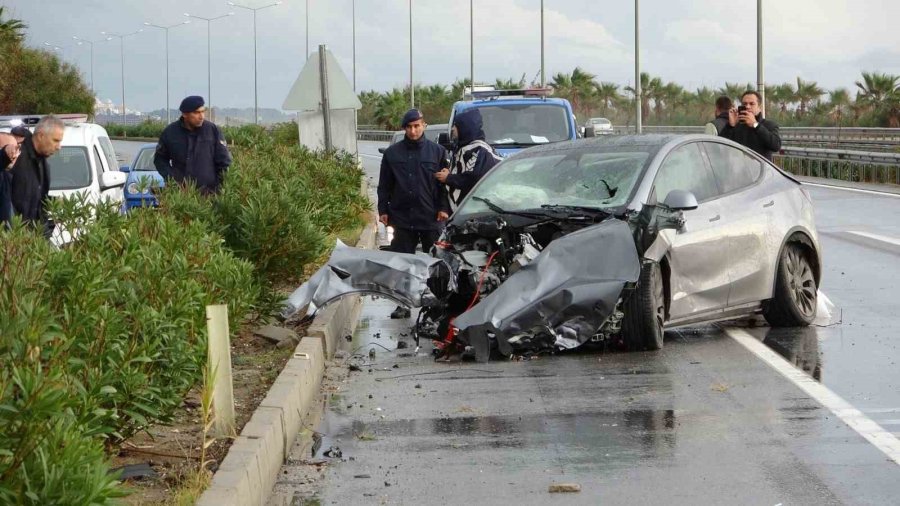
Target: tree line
34	81
875	102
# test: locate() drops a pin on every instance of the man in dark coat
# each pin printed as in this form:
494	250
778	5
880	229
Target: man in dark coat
723	109
409	197
30	185
193	150
750	129
472	158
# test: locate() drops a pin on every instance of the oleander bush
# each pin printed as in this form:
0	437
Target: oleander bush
104	336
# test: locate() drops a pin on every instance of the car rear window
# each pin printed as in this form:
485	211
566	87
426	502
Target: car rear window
733	168
69	168
524	124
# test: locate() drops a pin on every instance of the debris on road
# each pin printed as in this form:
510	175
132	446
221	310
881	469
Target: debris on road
556	488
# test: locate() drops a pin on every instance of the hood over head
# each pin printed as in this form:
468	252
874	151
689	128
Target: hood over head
469	125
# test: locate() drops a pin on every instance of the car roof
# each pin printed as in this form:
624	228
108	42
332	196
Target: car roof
82	134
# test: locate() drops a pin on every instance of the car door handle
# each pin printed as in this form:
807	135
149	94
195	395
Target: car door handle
769	203
715	218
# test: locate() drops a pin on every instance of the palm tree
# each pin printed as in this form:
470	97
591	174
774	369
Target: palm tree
838	101
782	94
391	107
880	93
577	87
734	90
11	30
607	95
807	91
509	84
648	89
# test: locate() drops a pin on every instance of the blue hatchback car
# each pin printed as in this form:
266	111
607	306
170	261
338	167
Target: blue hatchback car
142	177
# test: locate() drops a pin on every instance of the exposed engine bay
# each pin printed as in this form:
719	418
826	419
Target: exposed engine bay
508	283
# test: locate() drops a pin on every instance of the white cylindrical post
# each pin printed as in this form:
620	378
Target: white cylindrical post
219	357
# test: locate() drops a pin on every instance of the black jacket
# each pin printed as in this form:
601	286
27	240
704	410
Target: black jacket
30	184
764	139
472	159
200	156
407	190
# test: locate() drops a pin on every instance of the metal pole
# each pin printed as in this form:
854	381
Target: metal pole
354	46
760	81
209	74
122	51
543	77
307	30
168	114
412	88
255	96
92	69
472	45
637	68
326	107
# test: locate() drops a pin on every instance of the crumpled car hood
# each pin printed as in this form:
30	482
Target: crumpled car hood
406	278
569	290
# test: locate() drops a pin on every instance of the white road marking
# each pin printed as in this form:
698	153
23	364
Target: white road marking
882	238
860	190
370	156
863	425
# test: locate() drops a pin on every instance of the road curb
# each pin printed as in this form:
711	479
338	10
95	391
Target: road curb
249	471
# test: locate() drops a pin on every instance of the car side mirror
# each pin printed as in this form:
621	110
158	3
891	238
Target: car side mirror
589	131
125	169
382	150
112	179
444	140
681	200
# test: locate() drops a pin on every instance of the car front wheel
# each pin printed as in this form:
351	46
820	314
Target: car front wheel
794	300
645	314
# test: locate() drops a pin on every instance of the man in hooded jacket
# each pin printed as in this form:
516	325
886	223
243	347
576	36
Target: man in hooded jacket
472	158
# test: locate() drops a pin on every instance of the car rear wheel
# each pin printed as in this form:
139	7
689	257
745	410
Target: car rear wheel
645	312
794	300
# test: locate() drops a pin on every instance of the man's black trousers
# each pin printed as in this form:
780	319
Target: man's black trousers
406	239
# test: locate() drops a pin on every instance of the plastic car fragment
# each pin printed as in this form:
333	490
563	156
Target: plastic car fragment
413	280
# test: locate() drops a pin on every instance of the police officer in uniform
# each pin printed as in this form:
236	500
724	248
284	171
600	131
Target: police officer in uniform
409	197
192	150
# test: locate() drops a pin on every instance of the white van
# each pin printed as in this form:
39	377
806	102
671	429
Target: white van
86	163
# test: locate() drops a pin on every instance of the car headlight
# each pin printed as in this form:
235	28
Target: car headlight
132	188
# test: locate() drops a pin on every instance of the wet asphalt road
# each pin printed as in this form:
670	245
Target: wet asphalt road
704	421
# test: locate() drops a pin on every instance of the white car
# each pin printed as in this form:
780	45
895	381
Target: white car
85	164
602	126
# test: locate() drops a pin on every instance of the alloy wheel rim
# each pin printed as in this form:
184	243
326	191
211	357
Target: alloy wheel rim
802	284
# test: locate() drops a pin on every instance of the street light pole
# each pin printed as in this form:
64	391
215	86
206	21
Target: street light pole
760	81
412	88
637	68
81	41
121	37
307	30
472	45
255	81
209	58
166	28
354	46
543	77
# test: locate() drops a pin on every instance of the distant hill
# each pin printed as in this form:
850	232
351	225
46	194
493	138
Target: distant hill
234	116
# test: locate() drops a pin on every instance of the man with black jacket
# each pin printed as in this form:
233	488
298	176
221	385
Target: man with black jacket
750	129
30	184
410	199
723	109
193	150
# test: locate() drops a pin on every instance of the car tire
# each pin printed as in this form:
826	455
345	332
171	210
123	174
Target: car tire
645	312
794	301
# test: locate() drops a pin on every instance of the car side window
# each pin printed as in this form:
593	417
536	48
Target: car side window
107	147
732	168
685	169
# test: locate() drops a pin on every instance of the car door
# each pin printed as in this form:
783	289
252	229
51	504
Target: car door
747	213
699	254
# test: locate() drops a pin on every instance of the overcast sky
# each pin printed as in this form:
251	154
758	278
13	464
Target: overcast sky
691	42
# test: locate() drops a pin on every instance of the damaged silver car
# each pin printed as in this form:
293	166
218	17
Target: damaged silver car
611	239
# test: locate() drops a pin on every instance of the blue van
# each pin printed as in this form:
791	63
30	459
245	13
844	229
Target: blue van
518	119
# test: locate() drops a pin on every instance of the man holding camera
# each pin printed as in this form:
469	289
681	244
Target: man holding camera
747	127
